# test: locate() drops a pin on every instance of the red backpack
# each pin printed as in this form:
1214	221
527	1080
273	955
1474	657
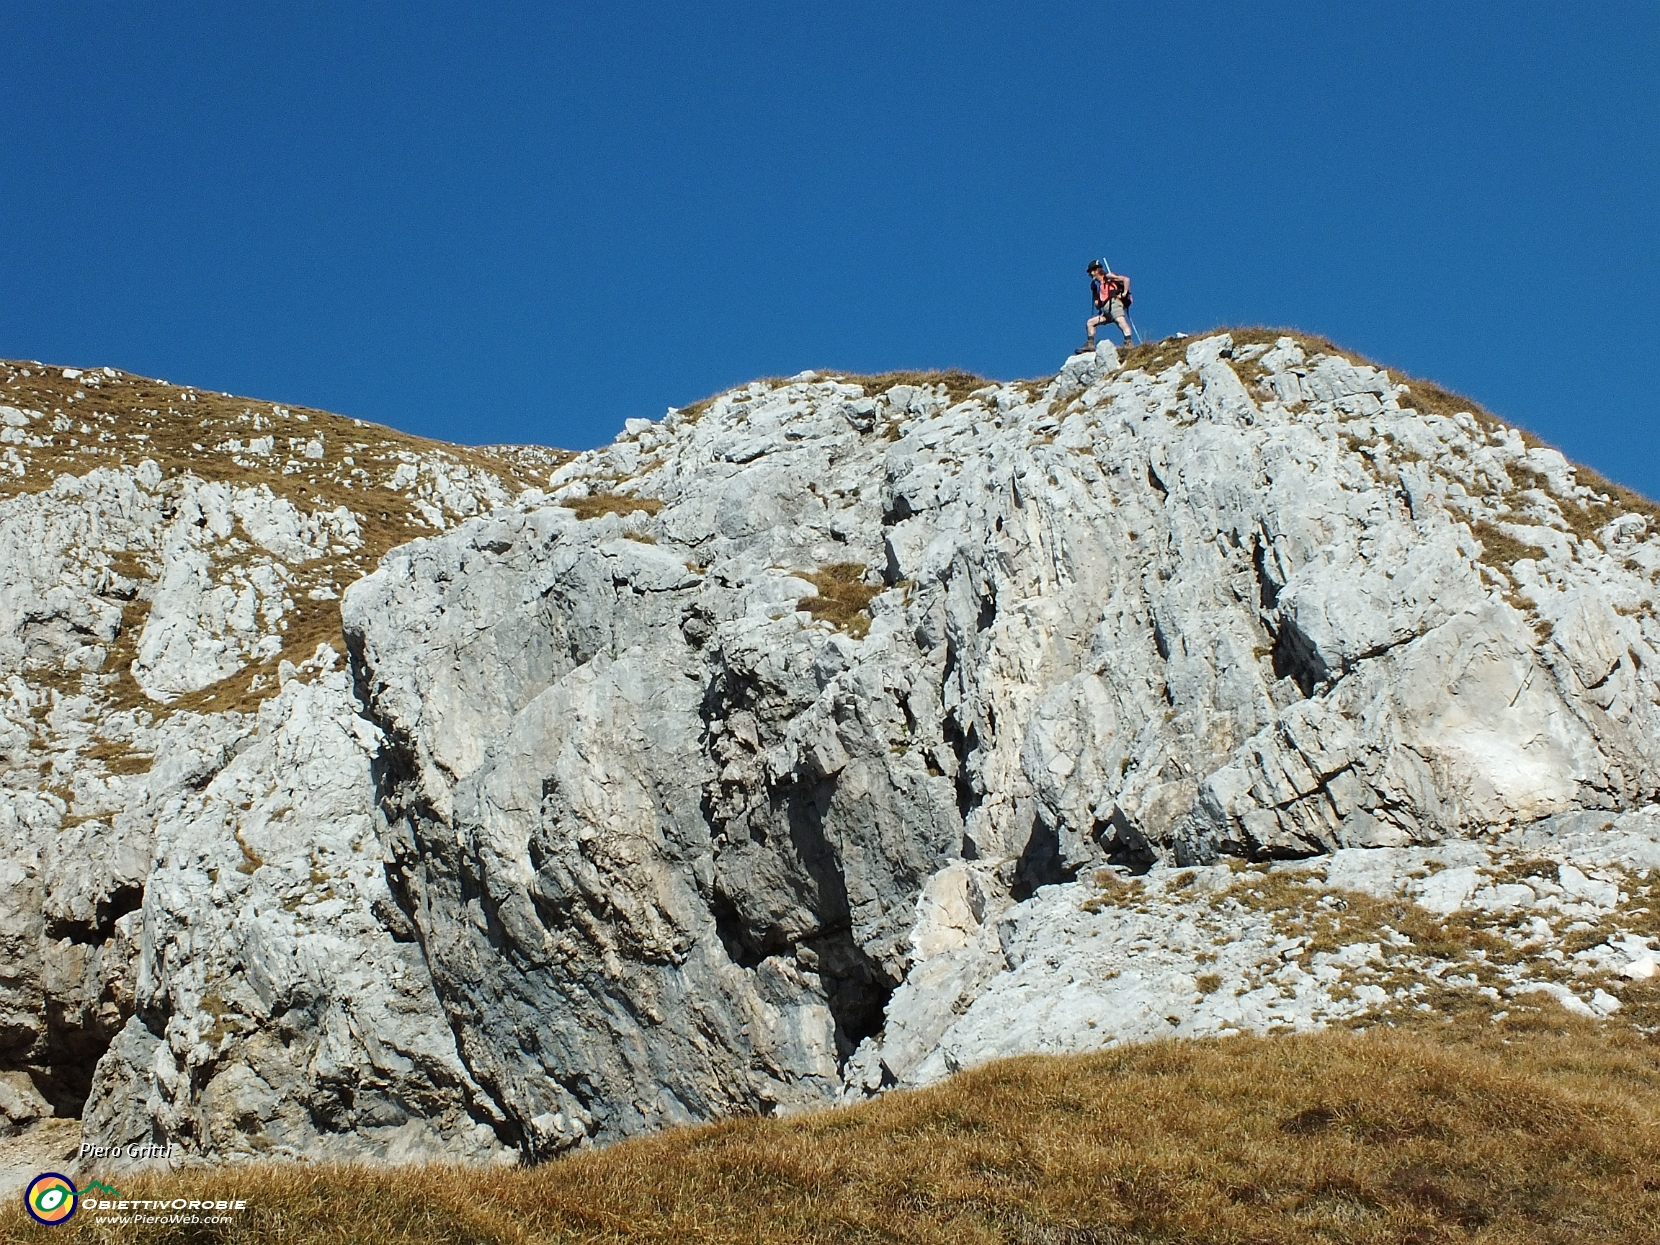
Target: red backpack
1107	287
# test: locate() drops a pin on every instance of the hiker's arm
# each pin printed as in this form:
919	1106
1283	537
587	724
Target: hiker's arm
1123	281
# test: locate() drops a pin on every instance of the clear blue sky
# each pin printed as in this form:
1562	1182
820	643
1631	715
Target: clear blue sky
528	222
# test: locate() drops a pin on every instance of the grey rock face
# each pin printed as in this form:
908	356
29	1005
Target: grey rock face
1185	952
665	829
770	755
197	944
642	882
278	1011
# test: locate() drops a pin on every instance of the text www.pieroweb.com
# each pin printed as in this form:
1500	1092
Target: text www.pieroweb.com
162	1210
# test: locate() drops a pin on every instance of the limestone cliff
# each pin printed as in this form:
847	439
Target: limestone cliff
795	745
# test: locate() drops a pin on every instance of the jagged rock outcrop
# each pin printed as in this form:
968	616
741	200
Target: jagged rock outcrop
664	830
768	755
1560	908
197	945
288	945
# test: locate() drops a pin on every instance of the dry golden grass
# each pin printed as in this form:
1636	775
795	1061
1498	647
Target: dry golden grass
1431	398
117	758
1152	356
1621	498
958	384
1584	519
694	411
1540	1129
1155	356
1357	916
843	597
1486	946
130	418
1498	548
597	504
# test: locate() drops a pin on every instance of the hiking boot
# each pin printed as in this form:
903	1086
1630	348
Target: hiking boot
1086	348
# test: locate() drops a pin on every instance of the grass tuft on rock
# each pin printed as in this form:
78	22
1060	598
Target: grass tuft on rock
597	504
958	383
843	597
1498	547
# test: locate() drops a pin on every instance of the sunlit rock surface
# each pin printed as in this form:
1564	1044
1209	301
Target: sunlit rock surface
829	735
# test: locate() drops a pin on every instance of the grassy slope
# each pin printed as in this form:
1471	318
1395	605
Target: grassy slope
105	418
1540	1128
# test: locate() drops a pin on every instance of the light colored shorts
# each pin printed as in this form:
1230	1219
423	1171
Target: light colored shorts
1112	311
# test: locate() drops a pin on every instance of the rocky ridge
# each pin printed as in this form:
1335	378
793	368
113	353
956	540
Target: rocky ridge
831	734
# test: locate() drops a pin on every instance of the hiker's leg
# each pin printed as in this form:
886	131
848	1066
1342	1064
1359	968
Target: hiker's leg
1090	325
1124	328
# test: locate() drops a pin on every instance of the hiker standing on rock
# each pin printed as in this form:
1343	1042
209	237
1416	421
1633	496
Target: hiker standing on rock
1110	292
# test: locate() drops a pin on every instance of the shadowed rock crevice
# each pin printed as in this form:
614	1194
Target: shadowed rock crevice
857	988
963	745
1040	862
73	1048
1295	657
1126	848
1268	589
742	948
108	908
1157	483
